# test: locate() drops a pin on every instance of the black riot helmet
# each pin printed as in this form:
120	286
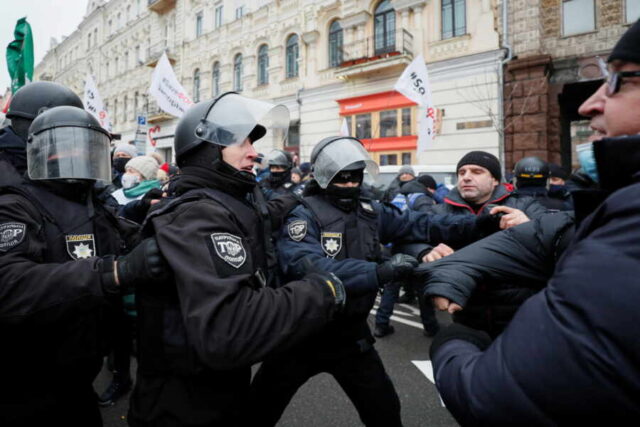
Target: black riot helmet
531	172
280	158
229	120
68	143
32	98
340	153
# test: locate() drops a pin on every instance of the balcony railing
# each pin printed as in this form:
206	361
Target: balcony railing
154	52
161	6
380	46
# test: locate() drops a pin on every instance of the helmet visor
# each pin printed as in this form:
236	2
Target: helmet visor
278	158
69	153
339	155
233	118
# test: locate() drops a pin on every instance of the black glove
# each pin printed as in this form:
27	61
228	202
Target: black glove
400	266
145	262
456	331
153	194
315	275
334	284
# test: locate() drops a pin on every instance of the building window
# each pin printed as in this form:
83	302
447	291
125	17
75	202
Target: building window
215	80
388	123
292	56
239	12
138	58
578	16
115	111
124	108
454	21
110	27
263	65
632	10
218	20
237	73
335	44
196	85
406	121
388	159
363	126
135	106
198	24
384	31
117	68
89	41
293	138
95	36
126	61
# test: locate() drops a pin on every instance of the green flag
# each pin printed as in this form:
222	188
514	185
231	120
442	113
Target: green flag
20	55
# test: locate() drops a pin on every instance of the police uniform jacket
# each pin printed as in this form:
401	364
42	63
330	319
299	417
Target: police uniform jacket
200	332
53	311
348	244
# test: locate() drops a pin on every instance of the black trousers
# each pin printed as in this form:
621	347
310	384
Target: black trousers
360	374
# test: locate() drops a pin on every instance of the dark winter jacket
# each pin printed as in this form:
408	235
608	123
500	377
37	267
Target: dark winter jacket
570	356
526	255
422	203
494	302
542	196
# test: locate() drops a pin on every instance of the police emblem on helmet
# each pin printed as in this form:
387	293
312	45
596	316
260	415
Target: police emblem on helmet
297	230
331	243
229	248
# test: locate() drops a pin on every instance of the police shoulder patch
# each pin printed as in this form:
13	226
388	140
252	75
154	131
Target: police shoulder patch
11	235
366	206
229	248
297	229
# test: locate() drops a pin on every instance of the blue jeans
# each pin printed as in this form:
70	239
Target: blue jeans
389	298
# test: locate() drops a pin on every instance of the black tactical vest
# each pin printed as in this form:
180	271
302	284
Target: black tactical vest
356	233
74	346
164	346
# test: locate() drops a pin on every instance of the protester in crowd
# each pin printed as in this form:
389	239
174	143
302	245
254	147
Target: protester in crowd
578	337
296	176
557	185
479	190
405	174
531	179
121	155
414	195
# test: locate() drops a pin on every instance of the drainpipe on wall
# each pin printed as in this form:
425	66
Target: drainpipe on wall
508	55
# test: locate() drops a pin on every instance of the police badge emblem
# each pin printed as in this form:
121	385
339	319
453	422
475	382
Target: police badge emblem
229	248
297	230
11	235
80	246
331	243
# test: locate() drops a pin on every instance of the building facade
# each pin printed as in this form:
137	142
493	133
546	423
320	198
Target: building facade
329	61
555	46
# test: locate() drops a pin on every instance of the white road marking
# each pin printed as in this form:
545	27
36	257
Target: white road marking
401	320
426	368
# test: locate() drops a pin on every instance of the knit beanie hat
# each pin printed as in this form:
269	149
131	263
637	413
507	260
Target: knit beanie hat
406	169
556	171
628	47
125	148
146	165
427	181
484	159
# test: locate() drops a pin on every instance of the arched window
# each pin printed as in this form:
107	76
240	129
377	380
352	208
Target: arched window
263	65
335	44
215	79
196	85
292	56
384	31
135	106
237	73
125	106
115	110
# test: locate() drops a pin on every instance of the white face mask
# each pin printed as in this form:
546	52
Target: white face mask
129	181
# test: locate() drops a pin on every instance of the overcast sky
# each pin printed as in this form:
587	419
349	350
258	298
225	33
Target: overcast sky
48	18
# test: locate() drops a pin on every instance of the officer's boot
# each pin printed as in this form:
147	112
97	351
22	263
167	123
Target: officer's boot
120	386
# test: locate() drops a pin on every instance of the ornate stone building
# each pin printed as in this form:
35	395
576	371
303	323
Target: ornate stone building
327	60
554	68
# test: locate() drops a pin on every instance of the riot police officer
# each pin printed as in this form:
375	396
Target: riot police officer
531	179
278	182
25	106
200	333
342	232
61	279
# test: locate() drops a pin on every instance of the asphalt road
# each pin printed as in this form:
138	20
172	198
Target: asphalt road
321	402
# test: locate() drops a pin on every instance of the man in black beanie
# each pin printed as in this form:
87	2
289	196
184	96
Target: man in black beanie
479	191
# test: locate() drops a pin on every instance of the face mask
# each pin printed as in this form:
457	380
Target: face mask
587	160
554	188
129	181
119	163
345	198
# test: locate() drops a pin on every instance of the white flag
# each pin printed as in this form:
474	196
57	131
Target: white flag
414	84
344	129
93	103
167	91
